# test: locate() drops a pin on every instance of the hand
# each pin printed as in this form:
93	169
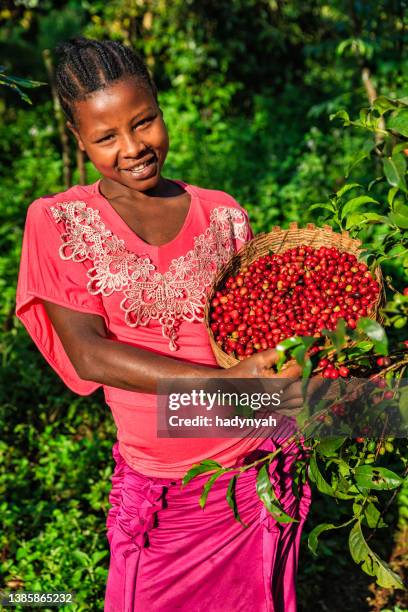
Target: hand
260	366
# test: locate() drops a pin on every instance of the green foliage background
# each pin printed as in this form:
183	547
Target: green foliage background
247	87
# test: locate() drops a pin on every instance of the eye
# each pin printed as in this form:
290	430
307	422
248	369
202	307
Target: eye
105	138
144	121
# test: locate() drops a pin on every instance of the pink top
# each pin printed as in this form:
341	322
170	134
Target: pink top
78	252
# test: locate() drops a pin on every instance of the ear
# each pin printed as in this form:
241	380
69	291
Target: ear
75	132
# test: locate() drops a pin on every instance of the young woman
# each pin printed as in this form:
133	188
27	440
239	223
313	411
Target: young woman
112	284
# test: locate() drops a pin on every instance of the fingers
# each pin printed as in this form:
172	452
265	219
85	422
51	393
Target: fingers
316	382
292	370
268	358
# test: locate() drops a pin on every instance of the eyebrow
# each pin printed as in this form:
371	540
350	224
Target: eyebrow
102	131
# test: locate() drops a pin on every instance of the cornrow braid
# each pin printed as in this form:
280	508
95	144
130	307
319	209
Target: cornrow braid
87	65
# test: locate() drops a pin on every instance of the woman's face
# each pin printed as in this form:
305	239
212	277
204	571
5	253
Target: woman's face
121	128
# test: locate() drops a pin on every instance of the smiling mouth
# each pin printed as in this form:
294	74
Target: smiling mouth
139	169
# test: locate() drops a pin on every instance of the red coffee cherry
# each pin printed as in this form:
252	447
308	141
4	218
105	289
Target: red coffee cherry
383	361
298	292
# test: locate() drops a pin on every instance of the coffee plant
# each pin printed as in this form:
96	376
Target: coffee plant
365	468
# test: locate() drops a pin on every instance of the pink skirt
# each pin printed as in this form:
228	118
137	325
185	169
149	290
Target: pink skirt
168	554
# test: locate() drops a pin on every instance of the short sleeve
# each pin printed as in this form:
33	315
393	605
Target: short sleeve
45	275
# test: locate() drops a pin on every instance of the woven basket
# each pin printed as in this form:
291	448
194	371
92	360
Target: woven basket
279	241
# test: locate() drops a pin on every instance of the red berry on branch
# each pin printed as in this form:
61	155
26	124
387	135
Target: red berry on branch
380	382
343	371
383	361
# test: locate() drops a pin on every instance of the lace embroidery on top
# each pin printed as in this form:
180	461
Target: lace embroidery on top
177	295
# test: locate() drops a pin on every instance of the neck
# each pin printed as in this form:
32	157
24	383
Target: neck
164	189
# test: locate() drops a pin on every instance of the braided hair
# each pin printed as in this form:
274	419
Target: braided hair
88	65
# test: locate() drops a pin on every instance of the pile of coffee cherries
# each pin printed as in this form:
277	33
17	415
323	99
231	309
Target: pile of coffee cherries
298	292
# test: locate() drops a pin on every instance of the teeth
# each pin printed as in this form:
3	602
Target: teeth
139	169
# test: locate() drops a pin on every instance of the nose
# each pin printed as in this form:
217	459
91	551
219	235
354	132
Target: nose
132	145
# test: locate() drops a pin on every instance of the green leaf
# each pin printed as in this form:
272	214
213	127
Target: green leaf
363	153
82	558
363	115
376	333
399	148
342	114
399	322
364	346
288	343
396	250
371	184
370	216
232	500
323	205
22	553
403	404
373	517
321	483
207	487
299	354
284	346
400	215
399	122
343	485
208	465
306	372
394	170
355	203
347	187
337	336
403	100
371	477
98	555
21	82
360	219
370	562
313	539
8	83
327	447
383	104
300	351
269	499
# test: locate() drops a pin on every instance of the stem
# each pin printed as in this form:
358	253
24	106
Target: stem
262	460
63	136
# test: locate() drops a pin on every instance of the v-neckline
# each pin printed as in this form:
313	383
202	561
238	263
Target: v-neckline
190	190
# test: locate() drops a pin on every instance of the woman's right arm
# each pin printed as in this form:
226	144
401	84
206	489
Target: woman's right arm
98	358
